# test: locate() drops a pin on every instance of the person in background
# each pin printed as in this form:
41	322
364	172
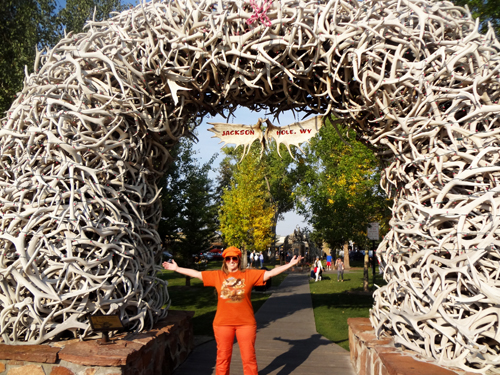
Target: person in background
252	258
339	265
234	314
261	259
328	262
319	268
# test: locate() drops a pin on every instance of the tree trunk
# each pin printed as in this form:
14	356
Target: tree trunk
347	266
188	281
244	258
365	271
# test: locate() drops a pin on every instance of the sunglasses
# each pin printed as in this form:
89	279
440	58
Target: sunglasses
228	259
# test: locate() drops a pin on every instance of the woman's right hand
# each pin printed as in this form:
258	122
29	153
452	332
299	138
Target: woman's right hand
171	266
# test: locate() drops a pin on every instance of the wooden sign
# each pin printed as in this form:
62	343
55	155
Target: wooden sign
294	134
238	134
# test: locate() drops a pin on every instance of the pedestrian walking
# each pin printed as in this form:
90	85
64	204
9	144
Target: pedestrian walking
234	314
339	265
328	262
252	258
319	268
261	259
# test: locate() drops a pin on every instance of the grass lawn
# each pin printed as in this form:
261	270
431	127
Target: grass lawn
334	302
204	300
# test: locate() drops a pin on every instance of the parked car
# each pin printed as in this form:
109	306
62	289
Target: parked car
166	256
216	254
200	262
356	255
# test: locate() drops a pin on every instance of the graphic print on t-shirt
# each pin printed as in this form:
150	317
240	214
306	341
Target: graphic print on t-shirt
233	289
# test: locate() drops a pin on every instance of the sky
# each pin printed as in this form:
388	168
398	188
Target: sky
208	146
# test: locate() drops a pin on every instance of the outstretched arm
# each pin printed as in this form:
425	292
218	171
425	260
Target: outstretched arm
184	271
276	271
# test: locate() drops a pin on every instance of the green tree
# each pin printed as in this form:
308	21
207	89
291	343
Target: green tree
340	191
26	25
77	12
189	211
486	11
246	215
226	170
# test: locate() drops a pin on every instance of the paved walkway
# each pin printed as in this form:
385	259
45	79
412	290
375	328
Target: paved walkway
287	341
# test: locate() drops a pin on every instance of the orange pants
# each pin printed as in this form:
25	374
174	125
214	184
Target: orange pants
224	335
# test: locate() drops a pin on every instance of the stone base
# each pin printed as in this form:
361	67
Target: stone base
372	356
157	352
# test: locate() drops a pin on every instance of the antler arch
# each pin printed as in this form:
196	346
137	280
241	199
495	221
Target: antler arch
84	143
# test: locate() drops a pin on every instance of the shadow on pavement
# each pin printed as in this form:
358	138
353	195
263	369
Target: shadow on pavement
295	356
280	307
290	304
201	361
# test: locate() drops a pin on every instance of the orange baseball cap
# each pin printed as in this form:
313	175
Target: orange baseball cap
231	252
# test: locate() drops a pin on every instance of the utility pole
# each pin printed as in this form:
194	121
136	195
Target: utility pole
373	234
365	271
374	247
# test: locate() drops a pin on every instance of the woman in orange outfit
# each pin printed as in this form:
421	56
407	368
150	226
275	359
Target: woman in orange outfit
234	309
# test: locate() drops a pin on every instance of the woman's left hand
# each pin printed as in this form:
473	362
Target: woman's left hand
171	266
276	271
296	259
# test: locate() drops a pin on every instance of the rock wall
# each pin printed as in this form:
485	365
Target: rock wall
379	356
159	352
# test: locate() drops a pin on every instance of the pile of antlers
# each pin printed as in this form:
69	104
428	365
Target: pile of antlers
85	142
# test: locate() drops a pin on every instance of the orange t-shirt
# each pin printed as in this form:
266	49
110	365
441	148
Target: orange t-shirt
233	290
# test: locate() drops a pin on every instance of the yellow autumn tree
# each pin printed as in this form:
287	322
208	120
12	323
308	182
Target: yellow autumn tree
247	215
